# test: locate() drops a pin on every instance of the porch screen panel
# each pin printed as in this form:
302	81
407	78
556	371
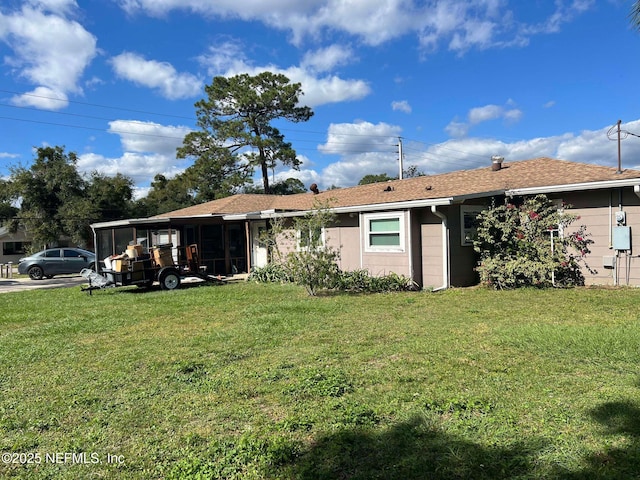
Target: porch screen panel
237	247
212	255
122	238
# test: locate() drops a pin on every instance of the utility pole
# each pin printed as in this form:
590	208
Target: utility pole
400	157
619	155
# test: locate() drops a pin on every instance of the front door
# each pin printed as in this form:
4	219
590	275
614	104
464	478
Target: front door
259	256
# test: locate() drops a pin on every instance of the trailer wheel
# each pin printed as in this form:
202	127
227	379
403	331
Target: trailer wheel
169	279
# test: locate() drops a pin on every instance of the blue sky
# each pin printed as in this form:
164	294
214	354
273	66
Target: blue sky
458	80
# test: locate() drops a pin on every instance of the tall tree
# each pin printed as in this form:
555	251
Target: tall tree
165	195
237	115
634	14
8	212
42	190
56	201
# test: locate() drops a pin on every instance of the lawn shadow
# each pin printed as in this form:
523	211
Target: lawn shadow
621	420
410	450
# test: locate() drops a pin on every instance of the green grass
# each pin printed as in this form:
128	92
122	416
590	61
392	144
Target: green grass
262	381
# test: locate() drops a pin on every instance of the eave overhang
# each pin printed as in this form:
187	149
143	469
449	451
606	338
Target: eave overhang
571	187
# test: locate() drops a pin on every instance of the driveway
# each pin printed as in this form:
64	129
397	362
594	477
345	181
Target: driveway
21	284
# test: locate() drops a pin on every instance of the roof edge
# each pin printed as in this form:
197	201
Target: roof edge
627	182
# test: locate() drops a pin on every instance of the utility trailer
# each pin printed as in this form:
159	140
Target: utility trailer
146	269
131	261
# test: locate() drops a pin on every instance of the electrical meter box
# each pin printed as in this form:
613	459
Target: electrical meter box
622	238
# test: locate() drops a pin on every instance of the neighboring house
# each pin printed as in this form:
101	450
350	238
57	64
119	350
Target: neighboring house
419	227
14	245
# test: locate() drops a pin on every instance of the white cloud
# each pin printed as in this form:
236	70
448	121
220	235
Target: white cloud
479	115
401	106
43	98
141	167
60	7
141	137
363	148
50	50
360	137
460	24
228	60
361	154
149	148
326	59
158	75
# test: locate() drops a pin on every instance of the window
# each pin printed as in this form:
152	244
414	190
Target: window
384	232
468	219
15	248
312	238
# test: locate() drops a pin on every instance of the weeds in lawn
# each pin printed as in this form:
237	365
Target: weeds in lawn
262	381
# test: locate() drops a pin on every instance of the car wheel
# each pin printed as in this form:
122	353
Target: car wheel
169	279
36	273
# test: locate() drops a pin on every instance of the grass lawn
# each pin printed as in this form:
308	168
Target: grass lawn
261	381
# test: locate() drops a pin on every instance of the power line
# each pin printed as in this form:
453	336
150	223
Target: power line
284	129
95	105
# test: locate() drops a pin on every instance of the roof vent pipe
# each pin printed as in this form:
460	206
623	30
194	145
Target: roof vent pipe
496	162
314	188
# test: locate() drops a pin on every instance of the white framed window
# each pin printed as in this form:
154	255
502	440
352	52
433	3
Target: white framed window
468	223
313	238
384	232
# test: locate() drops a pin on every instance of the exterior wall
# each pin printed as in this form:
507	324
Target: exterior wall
597	211
463	257
386	262
431	250
19	236
344	236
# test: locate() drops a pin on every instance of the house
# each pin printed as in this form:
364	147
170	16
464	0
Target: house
418	227
14	245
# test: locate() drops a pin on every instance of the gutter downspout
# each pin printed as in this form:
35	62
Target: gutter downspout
445	248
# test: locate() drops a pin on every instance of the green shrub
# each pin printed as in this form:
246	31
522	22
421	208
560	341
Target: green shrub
357	281
529	245
271	273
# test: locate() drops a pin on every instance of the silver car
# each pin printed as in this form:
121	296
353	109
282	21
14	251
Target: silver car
56	261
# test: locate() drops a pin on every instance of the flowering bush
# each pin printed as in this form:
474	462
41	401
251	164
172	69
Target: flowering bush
529	245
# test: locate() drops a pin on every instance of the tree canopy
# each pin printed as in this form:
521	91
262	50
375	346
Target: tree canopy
236	131
290	186
634	14
411	172
56	201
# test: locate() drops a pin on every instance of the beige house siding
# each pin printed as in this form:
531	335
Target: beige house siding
431	249
597	211
345	237
386	262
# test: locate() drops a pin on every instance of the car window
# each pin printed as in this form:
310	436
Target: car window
52	253
71	253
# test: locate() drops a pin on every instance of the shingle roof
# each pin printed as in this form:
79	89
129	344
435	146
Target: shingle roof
539	172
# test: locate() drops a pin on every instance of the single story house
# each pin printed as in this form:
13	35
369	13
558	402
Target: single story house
14	245
417	227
